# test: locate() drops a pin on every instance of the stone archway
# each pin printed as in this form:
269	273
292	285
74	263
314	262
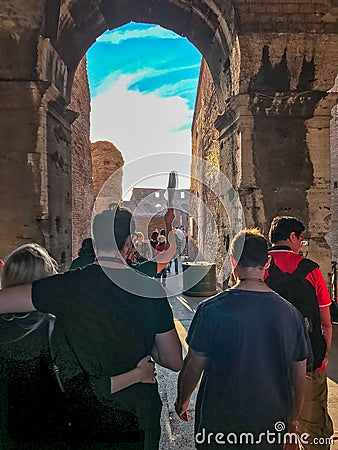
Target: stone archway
44	40
49	42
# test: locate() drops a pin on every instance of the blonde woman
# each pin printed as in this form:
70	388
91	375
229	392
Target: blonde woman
142	247
32	406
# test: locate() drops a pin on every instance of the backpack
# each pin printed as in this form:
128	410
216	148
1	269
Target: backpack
295	288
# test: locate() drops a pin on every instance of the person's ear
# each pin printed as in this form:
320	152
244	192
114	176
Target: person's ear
267	265
292	237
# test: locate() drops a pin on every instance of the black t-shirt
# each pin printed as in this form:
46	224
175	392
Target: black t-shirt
251	339
147	268
32	407
108	328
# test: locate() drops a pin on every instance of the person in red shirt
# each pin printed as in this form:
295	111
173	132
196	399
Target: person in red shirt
287	237
161	247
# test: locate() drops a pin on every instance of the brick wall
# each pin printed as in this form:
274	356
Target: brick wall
205	145
82	186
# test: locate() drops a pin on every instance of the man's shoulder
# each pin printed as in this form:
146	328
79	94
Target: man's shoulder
289	261
147	268
214	301
138	282
284	253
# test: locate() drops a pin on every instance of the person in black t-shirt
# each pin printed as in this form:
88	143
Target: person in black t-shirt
253	359
86	255
33	409
109	328
32	406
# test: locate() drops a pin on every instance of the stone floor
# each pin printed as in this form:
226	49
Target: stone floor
175	433
179	435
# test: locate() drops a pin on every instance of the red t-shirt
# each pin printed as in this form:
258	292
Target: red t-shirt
160	247
288	261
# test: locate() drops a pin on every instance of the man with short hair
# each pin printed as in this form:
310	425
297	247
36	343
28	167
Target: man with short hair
250	346
112	316
287	237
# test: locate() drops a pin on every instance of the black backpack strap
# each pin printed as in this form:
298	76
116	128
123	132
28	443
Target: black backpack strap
56	370
305	267
273	268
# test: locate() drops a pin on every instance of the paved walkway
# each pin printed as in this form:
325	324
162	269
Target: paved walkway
179	435
175	433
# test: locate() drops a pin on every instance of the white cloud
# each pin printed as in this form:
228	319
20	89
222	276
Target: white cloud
141	124
186	85
117	36
148	73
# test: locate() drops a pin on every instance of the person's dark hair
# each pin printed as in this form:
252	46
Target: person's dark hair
249	248
282	226
123	223
154	236
162	232
87	248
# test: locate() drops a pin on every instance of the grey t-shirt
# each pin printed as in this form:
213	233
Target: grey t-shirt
251	339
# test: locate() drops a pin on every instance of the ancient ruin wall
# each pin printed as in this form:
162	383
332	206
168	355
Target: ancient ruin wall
273	153
106	160
208	236
42	45
82	185
333	236
290	111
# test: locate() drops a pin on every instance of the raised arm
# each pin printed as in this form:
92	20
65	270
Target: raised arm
193	367
16	299
167	350
163	258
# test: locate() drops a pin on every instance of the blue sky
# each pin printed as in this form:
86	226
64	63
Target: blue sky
143	81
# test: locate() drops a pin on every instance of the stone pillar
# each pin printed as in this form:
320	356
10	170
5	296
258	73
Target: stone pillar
275	134
22	168
333	241
35	178
57	226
